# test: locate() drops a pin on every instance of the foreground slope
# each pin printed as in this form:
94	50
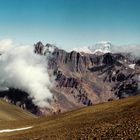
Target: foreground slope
116	119
12	112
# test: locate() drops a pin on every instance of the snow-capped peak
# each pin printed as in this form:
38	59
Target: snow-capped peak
101	47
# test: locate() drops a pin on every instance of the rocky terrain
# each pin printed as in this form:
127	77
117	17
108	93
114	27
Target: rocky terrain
82	79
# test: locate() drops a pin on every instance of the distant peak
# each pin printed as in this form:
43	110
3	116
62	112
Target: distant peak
104	42
98	48
102	47
39	43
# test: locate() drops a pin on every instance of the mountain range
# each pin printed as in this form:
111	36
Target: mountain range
82	78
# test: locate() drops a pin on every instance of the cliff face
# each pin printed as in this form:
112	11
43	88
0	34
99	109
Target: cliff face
83	79
86	79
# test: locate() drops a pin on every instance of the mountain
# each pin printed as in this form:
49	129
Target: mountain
112	120
101	47
82	79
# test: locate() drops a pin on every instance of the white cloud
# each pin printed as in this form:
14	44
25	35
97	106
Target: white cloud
21	68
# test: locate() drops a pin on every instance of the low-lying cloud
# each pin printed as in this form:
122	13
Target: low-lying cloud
134	50
21	68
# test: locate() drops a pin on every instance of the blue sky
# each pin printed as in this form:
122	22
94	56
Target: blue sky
71	23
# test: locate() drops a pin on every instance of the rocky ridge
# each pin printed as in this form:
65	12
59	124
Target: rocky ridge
84	79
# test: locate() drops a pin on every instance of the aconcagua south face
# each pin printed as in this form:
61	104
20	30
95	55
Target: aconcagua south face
101	47
86	79
83	79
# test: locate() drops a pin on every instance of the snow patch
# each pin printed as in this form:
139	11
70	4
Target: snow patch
132	66
17	129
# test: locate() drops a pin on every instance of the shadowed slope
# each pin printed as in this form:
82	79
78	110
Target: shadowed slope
12	112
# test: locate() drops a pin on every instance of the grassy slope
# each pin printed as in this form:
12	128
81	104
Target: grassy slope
117	119
11	112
